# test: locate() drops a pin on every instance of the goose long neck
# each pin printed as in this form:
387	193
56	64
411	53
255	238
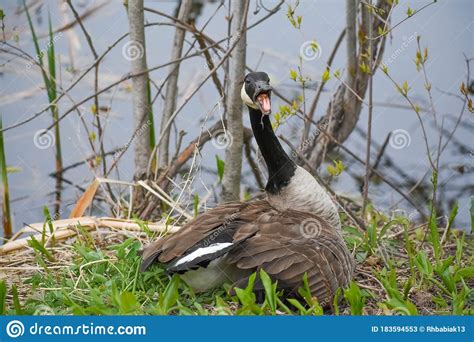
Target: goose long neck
280	167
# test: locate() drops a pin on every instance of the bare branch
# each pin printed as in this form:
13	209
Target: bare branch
172	84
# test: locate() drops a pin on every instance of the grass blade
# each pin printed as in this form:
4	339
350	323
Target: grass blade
472	214
7	221
16	301
51	62
150	115
3	297
50	85
52	94
39	53
37	246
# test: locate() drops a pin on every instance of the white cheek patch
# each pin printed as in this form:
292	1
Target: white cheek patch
246	98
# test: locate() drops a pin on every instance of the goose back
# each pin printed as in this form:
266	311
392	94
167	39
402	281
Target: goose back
253	235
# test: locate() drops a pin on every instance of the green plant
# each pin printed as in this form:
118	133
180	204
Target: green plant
7	221
40	248
356	298
100	279
195	204
51	90
3	296
169	297
312	305
270	291
247	298
397	301
220	168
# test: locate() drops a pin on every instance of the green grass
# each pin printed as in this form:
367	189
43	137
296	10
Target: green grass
49	79
7	221
150	115
396	275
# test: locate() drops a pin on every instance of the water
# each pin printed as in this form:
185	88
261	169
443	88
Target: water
446	29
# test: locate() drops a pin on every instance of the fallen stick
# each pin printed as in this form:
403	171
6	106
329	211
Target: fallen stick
63	229
23	243
110	222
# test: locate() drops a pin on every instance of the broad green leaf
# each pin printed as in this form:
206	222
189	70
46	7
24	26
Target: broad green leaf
355	298
220	168
270	290
246	296
293	74
128	302
170	295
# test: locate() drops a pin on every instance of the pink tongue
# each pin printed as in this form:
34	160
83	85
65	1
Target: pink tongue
264	102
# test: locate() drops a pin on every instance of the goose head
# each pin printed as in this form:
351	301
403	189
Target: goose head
256	92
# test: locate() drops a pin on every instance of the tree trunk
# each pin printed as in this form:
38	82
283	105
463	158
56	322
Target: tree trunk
172	85
351	40
233	153
136	53
343	111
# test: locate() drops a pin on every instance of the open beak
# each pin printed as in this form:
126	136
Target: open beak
262	97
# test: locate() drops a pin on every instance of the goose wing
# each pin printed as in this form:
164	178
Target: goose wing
208	235
291	243
285	244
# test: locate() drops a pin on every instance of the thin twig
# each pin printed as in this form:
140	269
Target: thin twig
314	103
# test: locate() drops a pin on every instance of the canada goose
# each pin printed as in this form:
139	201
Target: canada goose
293	231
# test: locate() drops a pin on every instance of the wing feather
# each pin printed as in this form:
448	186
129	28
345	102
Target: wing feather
216	225
263	237
285	253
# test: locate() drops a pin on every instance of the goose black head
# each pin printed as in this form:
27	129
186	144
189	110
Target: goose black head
256	92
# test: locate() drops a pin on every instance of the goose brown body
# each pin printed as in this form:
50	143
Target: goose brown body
266	238
293	231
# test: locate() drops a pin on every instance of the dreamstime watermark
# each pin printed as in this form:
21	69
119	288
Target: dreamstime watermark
132	50
310	228
211	237
214	58
44	50
222	139
395	54
394	214
44	139
310	50
225	225
308	142
139	132
44	310
399	139
15	329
